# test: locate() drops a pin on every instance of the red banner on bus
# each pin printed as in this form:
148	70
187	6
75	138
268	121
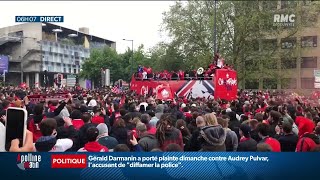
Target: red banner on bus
226	84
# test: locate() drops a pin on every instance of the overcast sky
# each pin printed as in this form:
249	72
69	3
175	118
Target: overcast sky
114	20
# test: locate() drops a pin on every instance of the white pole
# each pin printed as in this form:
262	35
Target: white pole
21	60
107	77
4	77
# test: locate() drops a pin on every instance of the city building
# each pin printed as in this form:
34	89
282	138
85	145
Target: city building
39	49
296	71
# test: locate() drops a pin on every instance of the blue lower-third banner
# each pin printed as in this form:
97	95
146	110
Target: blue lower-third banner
153	166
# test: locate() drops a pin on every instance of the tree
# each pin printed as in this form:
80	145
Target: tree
106	58
166	57
243	31
120	65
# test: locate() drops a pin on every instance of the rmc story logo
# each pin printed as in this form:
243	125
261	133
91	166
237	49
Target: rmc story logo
28	161
284	20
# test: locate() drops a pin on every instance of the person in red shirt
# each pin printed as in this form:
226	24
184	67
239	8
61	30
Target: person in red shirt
305	125
98	116
93	145
181	75
211	66
145	69
263	132
149	72
34	123
165	75
307	142
76	119
145	118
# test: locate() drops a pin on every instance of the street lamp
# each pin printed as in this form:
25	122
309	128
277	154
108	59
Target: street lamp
215	29
131	54
56	31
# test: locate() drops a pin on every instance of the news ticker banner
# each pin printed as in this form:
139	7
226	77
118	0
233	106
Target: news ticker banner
154	166
43	19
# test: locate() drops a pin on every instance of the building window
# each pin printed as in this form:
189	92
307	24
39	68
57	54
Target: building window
309	41
288	63
269	44
74	71
269	83
289	83
307	83
288	43
288	4
76	54
309	62
64	69
252	83
50	68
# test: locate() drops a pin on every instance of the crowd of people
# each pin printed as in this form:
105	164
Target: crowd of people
101	121
146	73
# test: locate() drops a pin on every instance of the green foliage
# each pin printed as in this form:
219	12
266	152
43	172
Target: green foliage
242	29
102	58
166	56
246	38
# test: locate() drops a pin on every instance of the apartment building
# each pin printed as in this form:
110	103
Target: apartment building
296	71
36	49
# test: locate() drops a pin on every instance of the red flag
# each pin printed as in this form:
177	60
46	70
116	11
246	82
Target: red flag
122	101
164	93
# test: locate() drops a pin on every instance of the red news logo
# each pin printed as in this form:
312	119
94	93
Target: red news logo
69	161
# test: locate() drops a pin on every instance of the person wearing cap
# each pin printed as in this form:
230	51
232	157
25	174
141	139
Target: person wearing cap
104	138
92	102
93	145
183	105
147	141
246	142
